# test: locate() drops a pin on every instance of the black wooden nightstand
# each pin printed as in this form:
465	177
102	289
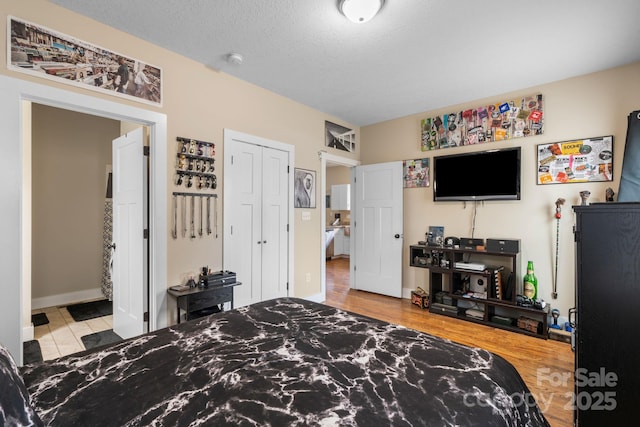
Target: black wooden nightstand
201	301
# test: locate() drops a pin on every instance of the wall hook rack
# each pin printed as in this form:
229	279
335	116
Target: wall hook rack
200	216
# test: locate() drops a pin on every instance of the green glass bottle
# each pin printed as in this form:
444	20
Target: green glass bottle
530	288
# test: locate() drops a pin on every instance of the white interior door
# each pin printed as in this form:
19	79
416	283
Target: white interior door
378	228
275	248
243	226
257	195
128	242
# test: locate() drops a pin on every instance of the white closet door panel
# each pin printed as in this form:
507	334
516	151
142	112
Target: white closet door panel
245	225
274	223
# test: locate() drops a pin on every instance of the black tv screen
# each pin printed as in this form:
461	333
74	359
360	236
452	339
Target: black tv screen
481	175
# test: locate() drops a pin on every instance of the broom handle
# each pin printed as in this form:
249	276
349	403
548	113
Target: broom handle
554	294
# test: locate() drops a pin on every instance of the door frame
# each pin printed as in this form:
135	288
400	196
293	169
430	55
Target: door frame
342	161
230	137
15	247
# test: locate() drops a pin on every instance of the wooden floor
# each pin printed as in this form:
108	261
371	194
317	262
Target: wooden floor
536	360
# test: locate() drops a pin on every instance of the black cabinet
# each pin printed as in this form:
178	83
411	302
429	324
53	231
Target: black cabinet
202	301
607	237
486	296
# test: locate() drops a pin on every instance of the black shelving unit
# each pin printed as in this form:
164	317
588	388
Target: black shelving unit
456	291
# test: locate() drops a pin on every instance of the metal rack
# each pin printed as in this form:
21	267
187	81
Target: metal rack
201	231
195	164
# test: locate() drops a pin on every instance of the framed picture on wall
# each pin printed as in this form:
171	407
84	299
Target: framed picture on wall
304	188
579	160
42	52
415	173
339	137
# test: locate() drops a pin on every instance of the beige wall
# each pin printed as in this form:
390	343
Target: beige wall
588	106
200	103
70	153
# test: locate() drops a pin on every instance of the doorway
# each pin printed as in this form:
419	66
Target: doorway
71	219
70	160
329	161
15	94
338	227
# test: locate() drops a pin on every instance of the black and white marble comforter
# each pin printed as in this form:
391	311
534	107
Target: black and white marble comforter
284	362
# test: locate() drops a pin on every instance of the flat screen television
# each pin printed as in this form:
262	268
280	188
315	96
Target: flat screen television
480	175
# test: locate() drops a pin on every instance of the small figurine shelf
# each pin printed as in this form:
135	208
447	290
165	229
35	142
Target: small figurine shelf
195	164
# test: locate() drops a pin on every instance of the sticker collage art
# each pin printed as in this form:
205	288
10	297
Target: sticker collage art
494	122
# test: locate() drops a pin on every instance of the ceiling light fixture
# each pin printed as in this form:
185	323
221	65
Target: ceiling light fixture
360	11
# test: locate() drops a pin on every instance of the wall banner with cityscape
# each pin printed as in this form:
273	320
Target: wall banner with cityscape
39	51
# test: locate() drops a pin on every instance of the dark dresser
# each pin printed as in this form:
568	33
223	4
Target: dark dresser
607	344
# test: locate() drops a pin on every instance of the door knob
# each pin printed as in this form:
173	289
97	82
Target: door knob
397	236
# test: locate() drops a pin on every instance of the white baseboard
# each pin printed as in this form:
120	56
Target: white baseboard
316	298
27	333
66	299
406	293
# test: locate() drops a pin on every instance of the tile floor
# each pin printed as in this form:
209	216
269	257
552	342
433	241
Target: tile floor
61	336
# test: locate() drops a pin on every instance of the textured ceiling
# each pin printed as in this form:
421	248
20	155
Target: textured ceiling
416	55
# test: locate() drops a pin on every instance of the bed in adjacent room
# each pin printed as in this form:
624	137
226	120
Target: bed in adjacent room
285	361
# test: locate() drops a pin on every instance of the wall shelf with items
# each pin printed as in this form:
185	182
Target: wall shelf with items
195	164
478	286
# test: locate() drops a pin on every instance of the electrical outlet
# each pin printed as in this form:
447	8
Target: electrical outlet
308	277
306	216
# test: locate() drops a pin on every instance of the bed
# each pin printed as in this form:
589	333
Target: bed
282	362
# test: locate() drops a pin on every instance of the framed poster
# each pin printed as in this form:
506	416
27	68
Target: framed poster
415	173
304	187
581	160
340	137
435	235
41	52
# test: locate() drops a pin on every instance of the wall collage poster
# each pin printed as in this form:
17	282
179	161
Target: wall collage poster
582	160
495	122
415	173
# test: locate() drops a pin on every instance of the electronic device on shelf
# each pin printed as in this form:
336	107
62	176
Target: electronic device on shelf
470	266
476	314
451	241
471	243
477	295
510	246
